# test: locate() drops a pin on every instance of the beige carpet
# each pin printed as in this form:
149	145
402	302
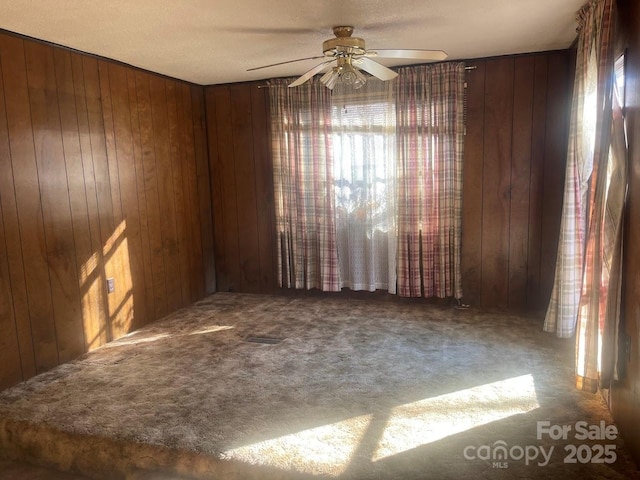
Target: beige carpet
354	389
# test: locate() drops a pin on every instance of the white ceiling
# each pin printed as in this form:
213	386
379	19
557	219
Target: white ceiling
216	41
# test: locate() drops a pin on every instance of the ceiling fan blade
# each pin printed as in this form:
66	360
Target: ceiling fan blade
283	63
431	55
311	73
375	69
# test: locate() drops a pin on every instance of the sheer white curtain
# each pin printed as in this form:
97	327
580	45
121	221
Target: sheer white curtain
364	151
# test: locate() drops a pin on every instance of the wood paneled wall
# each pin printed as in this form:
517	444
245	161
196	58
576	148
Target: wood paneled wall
514	173
625	393
242	187
515	155
103	174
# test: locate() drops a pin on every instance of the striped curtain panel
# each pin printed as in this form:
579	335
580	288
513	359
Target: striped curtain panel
430	140
303	185
586	120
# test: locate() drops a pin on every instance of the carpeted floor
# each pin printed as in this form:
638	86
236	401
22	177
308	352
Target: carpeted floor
343	389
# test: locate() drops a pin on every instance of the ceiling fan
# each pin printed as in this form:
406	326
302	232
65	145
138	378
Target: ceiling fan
348	56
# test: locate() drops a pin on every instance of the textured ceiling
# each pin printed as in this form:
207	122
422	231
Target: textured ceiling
216	41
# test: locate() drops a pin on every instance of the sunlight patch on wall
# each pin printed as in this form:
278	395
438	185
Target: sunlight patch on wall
324	450
92	301
419	423
118	266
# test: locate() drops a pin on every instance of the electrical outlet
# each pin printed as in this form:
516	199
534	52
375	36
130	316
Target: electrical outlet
111	285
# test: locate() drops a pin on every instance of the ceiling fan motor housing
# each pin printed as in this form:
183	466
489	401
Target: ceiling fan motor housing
343	44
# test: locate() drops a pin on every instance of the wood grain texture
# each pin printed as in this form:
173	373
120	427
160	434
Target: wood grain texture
536	185
94	304
10	358
190	186
217	198
229	278
625	393
152	195
245	176
496	179
557	121
471	259
145	242
69	124
520	179
10	365
264	187
16	288
27	196
98	178
242	187
203	176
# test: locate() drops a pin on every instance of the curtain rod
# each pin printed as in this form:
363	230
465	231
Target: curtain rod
470	67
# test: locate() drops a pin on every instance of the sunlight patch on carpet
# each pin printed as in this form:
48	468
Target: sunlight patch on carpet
324	450
212	329
135	340
419	423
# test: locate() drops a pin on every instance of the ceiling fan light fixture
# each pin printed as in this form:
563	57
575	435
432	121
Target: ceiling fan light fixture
360	81
330	78
348	75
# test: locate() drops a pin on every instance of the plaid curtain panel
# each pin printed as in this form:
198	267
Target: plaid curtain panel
593	42
598	314
430	139
303	187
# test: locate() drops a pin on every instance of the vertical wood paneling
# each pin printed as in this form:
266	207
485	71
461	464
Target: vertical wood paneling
15	268
103	221
190	186
204	187
245	174
242	187
538	137
54	195
496	179
471	260
166	194
127	249
92	293
218	204
230	278
10	365
554	171
263	187
10	358
114	267
76	182
27	194
100	169
145	242
152	194
175	142
625	393
520	178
